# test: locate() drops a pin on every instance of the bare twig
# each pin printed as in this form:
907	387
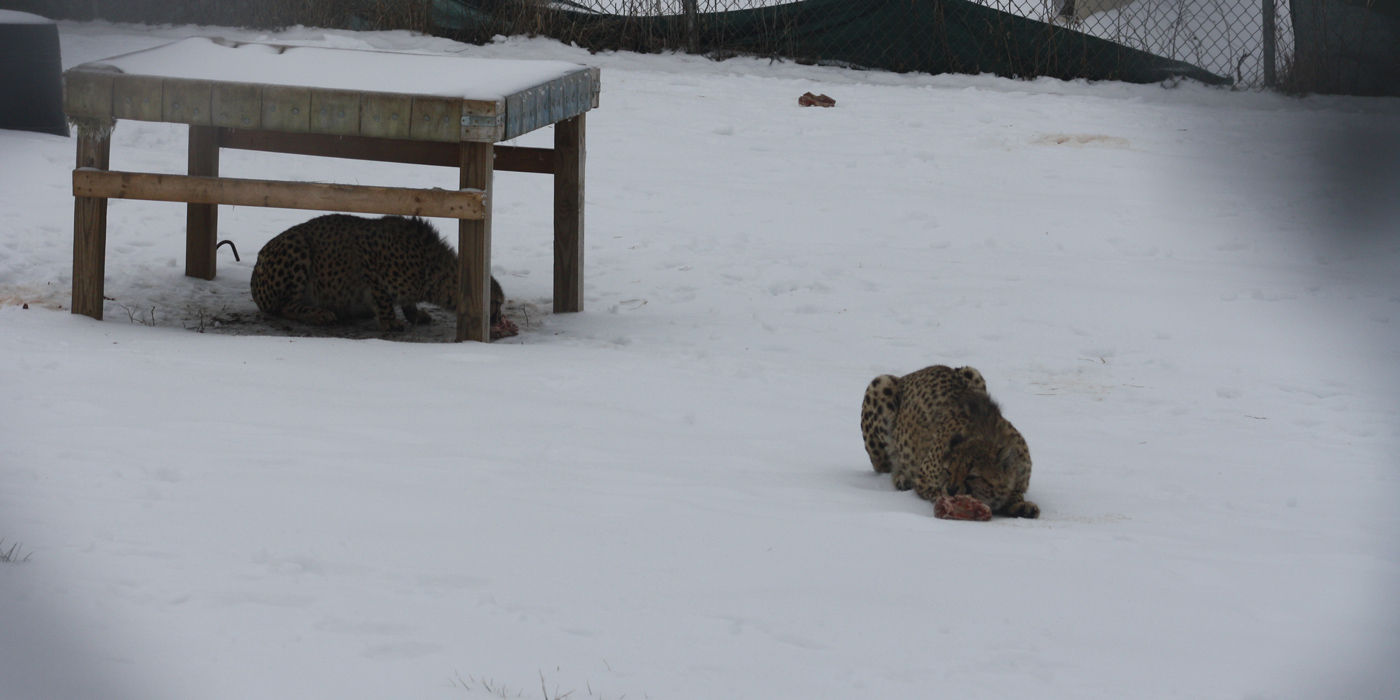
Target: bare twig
10	556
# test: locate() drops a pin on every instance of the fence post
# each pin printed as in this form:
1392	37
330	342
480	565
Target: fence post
692	42
1270	75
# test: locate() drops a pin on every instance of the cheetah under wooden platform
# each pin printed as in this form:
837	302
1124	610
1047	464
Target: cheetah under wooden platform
936	431
339	267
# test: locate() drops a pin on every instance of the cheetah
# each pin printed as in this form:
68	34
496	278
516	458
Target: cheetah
338	267
936	431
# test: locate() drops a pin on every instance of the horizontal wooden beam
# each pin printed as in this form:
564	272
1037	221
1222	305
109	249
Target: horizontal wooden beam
512	158
364	199
356	147
521	159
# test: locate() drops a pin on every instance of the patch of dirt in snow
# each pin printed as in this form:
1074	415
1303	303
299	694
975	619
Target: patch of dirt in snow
1081	140
51	296
246	319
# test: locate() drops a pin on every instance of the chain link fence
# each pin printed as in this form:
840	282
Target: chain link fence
1247	41
933	36
1343	45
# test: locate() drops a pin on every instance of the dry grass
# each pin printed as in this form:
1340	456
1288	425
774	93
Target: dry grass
12	555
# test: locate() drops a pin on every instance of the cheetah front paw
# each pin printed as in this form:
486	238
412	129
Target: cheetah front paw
1024	509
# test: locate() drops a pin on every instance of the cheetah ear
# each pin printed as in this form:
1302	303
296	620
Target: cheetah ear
956	440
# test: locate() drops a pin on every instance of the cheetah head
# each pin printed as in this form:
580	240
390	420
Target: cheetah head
978	469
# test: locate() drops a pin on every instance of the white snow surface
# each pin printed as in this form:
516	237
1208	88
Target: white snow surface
1186	299
202	58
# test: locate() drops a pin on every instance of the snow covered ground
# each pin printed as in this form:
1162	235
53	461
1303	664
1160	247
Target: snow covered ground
1183	298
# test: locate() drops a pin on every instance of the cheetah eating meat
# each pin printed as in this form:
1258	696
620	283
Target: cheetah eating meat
936	431
338	267
504	327
961	507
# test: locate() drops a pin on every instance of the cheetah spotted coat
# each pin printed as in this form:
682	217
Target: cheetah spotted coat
338	267
936	431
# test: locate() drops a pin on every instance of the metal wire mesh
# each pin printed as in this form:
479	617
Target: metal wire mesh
1225	37
1236	39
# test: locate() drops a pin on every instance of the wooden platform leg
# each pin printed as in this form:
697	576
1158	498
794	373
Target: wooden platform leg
474	247
568	214
202	220
90	225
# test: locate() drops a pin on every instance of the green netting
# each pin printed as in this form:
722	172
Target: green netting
930	36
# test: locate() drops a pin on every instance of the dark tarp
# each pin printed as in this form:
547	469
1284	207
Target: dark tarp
1347	46
31	79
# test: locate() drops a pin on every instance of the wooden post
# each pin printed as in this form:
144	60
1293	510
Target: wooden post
692	41
474	246
569	155
202	220
1270	73
90	224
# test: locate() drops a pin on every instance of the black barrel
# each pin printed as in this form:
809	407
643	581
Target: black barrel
31	74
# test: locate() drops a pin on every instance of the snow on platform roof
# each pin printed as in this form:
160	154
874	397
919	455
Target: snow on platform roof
17	17
203	58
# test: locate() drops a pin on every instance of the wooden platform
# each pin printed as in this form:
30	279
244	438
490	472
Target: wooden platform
462	108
